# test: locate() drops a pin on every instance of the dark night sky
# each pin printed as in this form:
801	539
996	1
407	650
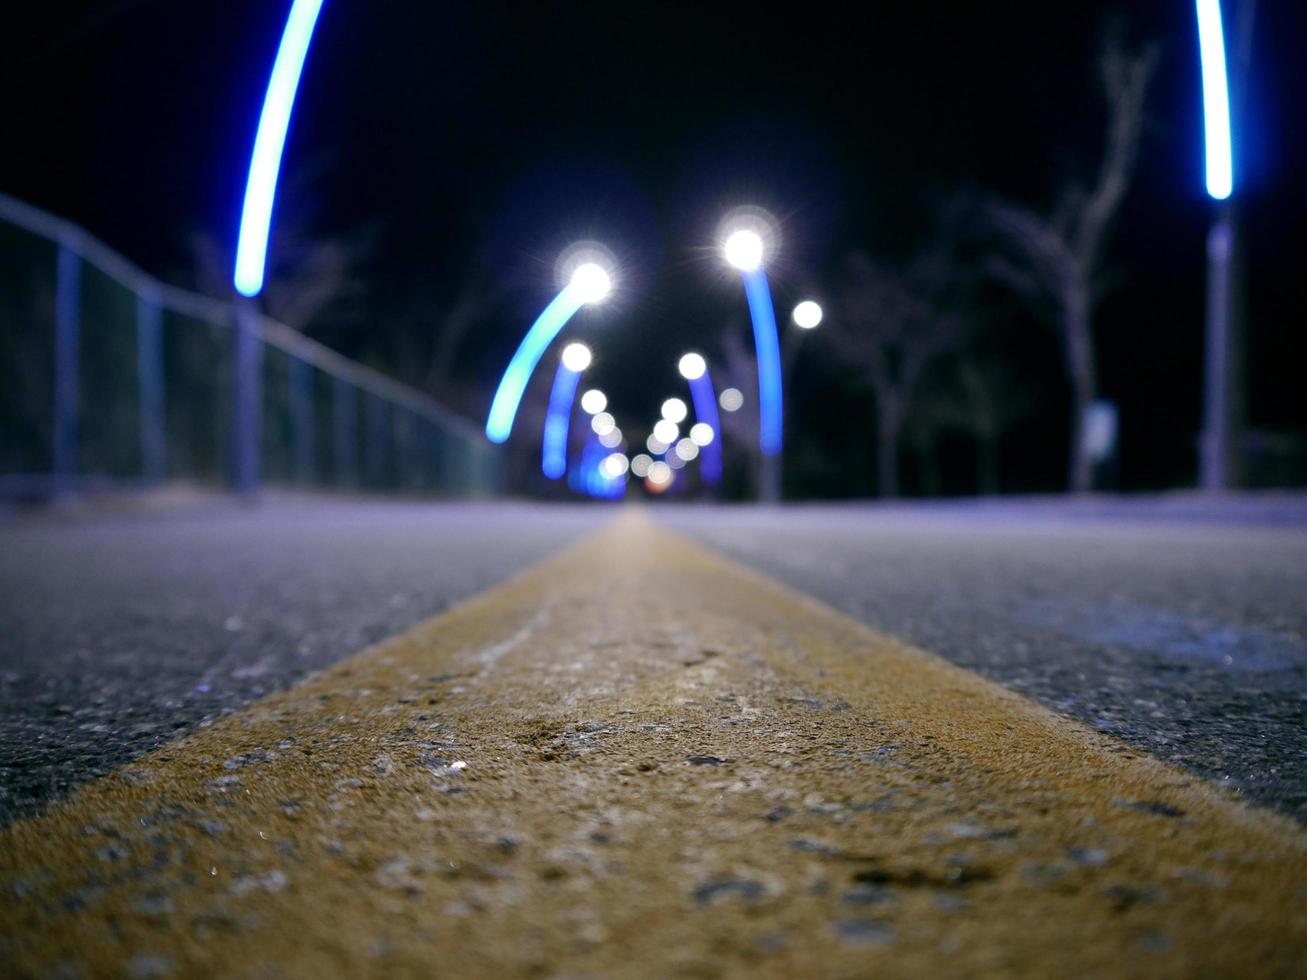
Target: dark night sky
495	134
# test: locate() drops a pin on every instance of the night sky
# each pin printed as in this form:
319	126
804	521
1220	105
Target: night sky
490	136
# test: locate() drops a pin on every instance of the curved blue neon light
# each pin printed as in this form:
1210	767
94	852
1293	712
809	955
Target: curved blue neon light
553	455
767	344
265	162
705	410
1216	100
511	386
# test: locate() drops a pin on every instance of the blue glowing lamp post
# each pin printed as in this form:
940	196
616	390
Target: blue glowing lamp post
744	251
694	369
553	456
1216	453
252	245
589	284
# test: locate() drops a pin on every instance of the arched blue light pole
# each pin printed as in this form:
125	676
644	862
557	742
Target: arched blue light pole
744	251
694	369
265	162
553	453
1217	456
589	284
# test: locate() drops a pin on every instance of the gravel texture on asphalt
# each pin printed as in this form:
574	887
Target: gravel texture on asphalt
120	632
1181	630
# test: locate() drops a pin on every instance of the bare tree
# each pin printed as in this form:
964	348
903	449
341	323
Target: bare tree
1054	261
889	326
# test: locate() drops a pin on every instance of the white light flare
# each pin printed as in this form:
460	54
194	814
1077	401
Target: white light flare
692	366
576	357
593	401
807	315
675	410
666	431
591	282
603	422
743	249
701	434
731	399
687	449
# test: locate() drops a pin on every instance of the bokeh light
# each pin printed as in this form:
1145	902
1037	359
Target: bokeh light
603	422
593	401
687	449
576	357
675	410
640	465
666	431
807	314
692	366
702	434
731	399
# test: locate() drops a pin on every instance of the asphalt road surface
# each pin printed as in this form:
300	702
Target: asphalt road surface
642	759
118	633
1181	633
1179	628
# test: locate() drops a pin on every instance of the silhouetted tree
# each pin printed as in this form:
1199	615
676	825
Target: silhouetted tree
889	326
1054	260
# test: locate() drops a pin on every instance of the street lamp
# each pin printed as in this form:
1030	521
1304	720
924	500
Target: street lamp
744	248
553	454
806	315
1215	448
589	283
694	369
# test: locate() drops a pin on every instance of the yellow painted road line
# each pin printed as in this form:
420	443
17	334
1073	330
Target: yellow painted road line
639	759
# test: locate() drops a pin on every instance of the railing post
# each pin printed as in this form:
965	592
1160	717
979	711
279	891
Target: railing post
344	432
149	372
247	404
67	342
374	449
301	413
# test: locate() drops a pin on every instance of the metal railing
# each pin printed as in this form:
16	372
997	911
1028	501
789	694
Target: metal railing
110	378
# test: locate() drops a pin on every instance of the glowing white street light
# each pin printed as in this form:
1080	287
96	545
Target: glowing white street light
666	431
702	434
593	401
576	357
674	410
743	249
807	314
589	283
731	400
660	474
692	366
613	466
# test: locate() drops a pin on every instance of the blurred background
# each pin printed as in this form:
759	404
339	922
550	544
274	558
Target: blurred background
1001	211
